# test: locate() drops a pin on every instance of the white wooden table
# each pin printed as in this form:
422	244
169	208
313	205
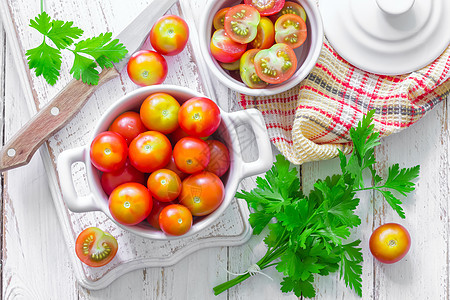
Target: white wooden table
35	260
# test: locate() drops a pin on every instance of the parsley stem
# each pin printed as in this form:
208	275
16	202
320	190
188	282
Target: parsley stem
42	6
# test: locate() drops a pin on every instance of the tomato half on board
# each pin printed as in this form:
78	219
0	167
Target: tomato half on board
290	8
219	18
159	112
95	247
108	151
169	35
164	185
191	154
266	7
291	30
147	67
128	125
241	23
248	72
199	117
389	243
276	64
266	35
150	151
224	49
175	219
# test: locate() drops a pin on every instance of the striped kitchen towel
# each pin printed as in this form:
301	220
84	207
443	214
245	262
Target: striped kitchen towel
312	120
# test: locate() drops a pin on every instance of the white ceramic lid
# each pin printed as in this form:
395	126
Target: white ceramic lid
389	37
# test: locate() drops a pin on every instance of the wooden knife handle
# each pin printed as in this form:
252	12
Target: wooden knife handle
58	112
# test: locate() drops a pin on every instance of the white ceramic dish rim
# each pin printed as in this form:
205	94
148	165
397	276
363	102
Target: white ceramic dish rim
311	59
96	200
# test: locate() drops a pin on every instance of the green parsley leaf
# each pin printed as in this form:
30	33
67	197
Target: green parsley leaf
300	287
46	61
63	33
351	268
84	68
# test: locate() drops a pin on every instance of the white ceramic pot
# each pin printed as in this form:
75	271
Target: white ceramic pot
97	200
307	54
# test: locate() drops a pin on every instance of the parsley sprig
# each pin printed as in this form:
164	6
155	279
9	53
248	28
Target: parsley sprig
307	234
45	59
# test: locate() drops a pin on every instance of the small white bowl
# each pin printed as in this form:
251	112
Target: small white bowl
307	54
97	200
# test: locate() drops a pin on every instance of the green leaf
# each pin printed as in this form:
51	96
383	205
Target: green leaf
299	287
259	221
276	233
84	68
46	61
63	33
351	268
42	23
401	180
394	202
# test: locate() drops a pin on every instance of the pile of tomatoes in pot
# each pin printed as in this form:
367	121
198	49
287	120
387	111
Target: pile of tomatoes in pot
161	165
257	39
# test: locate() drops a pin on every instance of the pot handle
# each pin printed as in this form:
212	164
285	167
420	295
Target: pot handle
74	202
253	117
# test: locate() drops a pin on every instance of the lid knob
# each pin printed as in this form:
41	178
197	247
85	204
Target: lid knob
395	7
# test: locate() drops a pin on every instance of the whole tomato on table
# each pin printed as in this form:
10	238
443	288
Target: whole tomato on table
159	112
390	242
147	67
169	35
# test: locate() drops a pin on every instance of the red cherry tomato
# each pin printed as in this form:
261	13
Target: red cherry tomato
150	151
389	243
159	112
173	167
130	203
128	125
266	35
175	219
202	193
248	72
219	18
108	151
191	155
127	173
290	8
266	7
199	117
241	23
169	35
95	247
164	185
224	49
277	64
291	30
219	160
153	217
147	67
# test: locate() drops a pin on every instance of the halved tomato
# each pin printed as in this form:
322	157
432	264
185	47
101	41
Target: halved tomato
265	36
266	7
225	49
241	23
248	72
277	64
291	30
95	247
234	66
290	8
219	18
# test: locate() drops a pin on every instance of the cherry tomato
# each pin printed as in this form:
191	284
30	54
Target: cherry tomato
290	8
150	151
202	193
175	219
164	185
130	203
95	247
108	151
291	30
169	35
191	154
234	66
159	112
248	72
276	64
127	173
173	167
153	217
389	243
128	125
219	18
147	67
266	7
219	160
225	49
199	117
265	36
241	23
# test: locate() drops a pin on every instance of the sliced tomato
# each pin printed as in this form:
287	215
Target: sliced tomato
291	30
219	18
277	64
234	66
248	72
265	36
224	49
266	7
95	247
290	8
241	23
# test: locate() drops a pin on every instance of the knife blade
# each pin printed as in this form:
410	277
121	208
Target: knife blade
19	150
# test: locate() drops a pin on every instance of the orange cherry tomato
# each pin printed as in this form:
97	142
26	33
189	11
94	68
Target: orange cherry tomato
128	125
130	203
173	167
224	49
150	151
219	160
95	247
191	154
164	185
175	219
266	35
389	243
108	151
276	64
241	23
159	112
199	117
147	67
128	173
219	18
169	35
202	193
153	217
291	30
